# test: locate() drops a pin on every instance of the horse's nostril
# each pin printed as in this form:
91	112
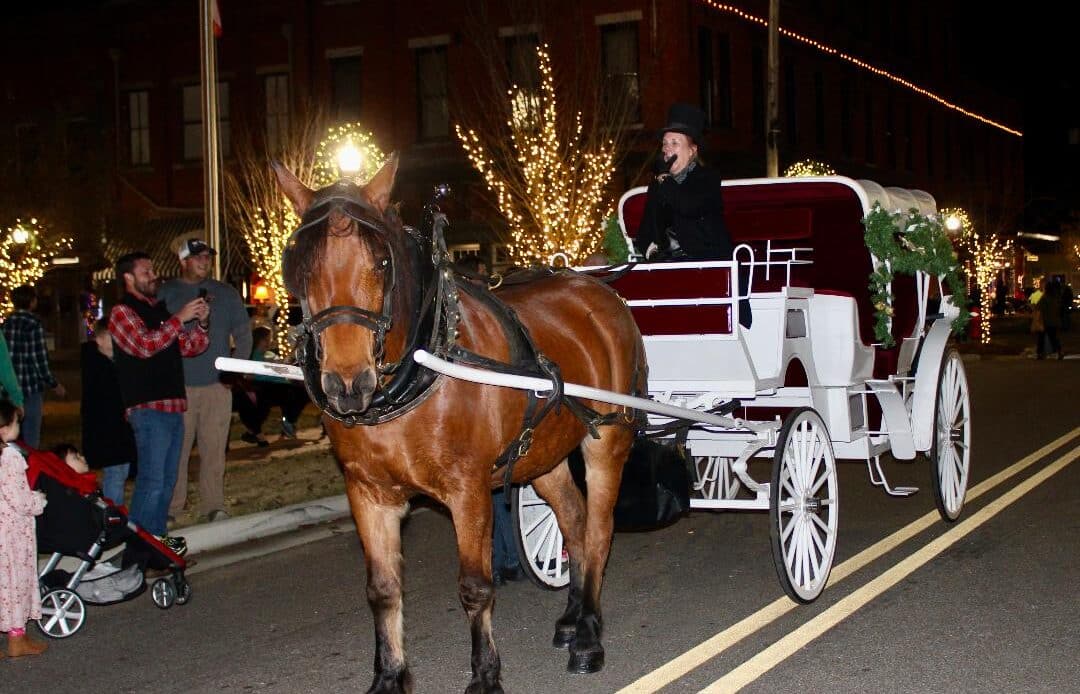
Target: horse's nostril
333	384
364	382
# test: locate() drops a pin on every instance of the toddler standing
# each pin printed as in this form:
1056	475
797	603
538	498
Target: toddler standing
19	597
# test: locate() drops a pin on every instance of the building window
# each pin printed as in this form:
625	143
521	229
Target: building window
714	55
522	64
890	130
757	94
276	88
619	63
77	137
908	147
28	149
868	115
192	119
345	85
929	144
431	93
847	139
139	127
946	147
791	106
819	110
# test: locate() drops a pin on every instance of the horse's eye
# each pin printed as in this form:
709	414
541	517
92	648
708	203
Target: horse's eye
383	265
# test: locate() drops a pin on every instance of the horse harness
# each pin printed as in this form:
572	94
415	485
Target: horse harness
434	326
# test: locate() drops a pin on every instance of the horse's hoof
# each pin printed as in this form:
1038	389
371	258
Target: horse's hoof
586	663
479	687
564	636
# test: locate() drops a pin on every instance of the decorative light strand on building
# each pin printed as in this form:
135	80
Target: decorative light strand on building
26	252
553	193
864	65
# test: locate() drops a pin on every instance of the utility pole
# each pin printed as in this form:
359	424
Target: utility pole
772	98
210	143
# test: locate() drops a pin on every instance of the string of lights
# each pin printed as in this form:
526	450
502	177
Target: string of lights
553	192
984	258
809	167
731	9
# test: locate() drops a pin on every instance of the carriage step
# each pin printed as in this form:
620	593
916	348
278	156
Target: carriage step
878	479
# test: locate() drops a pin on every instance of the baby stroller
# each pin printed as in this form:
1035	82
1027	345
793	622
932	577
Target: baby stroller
79	522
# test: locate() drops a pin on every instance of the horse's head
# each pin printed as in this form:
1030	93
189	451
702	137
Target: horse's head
342	263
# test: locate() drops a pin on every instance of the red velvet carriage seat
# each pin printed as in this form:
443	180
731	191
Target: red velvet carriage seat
825	216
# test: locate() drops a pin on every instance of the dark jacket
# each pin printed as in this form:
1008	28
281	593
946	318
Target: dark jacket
107	438
693	210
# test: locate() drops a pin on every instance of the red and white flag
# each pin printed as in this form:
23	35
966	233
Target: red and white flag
215	18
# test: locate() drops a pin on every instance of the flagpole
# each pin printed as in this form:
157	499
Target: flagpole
210	144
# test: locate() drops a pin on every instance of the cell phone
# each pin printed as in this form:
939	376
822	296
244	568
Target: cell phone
202	293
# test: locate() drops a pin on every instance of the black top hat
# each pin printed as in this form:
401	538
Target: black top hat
686	119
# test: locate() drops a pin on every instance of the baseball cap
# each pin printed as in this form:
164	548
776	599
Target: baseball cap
194	246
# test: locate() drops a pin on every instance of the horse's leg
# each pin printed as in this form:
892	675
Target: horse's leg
604	459
472	514
379	527
557	487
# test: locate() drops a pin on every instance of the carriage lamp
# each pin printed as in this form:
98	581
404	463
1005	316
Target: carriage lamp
349	159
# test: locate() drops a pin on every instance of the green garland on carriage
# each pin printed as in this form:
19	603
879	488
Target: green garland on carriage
922	245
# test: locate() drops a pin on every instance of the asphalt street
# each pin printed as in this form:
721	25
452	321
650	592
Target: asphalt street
984	605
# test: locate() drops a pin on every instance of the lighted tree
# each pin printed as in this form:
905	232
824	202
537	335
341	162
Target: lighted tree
809	167
256	207
549	173
26	253
983	258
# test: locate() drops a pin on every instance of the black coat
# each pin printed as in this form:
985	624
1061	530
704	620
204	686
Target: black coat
693	210
107	438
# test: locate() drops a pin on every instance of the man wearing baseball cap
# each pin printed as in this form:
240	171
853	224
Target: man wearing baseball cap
209	411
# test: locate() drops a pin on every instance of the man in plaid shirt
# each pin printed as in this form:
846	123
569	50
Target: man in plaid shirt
26	339
150	345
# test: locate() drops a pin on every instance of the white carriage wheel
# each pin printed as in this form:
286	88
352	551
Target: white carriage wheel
803	505
715	477
539	540
950	455
62	613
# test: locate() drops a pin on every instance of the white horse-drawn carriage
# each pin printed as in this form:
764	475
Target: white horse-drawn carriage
805	385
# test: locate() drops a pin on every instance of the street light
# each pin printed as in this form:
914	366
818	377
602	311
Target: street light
349	159
952	223
20	235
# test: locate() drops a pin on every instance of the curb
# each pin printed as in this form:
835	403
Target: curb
253	526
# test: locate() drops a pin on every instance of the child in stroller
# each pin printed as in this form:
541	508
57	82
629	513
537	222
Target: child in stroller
79	522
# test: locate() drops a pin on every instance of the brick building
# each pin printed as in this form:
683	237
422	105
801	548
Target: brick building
102	136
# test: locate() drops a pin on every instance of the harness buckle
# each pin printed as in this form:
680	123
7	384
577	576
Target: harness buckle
525	442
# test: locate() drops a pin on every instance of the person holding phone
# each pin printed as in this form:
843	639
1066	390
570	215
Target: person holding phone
149	346
209	411
684	211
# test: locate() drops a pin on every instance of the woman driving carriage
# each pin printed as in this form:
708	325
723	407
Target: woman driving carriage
684	212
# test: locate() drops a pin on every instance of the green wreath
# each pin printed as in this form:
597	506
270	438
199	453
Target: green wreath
922	245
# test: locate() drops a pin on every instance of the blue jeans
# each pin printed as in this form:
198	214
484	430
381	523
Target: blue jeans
113	479
504	554
31	423
158	436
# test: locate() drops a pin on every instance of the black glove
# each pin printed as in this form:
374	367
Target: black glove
661	165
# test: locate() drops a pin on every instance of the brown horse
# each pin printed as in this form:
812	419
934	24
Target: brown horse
367	284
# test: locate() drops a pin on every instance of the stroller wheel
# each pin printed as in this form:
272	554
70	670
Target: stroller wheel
163	593
183	591
62	613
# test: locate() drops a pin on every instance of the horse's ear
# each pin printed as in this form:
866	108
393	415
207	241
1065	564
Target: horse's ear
378	189
298	194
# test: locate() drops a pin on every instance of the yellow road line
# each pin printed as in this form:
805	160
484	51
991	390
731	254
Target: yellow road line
717	644
789	644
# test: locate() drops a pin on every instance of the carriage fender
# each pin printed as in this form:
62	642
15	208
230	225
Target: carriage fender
927	374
